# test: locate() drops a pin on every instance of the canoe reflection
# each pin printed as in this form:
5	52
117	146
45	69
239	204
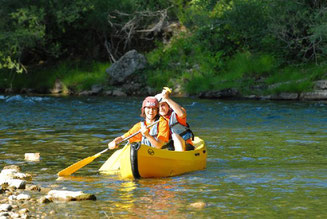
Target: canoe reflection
151	198
77	178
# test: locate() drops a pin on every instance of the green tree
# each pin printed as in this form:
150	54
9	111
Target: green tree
299	29
50	30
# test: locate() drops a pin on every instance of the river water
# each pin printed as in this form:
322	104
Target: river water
265	159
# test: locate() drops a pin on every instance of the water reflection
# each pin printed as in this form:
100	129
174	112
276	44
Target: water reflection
77	178
151	198
266	159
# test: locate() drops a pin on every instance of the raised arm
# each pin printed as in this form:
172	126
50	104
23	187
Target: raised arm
173	105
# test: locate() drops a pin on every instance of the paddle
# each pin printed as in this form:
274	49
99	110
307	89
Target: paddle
159	96
113	163
78	165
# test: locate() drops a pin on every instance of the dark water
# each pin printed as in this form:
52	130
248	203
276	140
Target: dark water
265	159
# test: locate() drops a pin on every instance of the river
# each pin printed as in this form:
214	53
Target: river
265	159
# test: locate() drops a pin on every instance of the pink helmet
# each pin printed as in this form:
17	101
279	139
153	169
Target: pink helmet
150	102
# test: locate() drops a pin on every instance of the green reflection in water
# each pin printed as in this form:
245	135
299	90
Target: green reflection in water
265	160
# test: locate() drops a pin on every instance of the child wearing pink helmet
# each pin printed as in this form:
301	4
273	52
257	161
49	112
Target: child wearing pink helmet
156	136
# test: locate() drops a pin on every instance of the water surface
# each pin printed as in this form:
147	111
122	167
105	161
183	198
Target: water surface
265	159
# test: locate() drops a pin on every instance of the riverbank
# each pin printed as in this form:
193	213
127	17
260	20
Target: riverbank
136	89
189	50
131	75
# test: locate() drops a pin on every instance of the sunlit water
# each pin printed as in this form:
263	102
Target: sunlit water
265	159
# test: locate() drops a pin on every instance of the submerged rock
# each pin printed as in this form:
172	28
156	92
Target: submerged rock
64	195
12	167
44	200
198	205
5	207
4	215
7	174
30	187
32	156
23	197
23	211
13	183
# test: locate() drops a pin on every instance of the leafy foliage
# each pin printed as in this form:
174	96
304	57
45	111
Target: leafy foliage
237	44
76	76
224	44
298	29
45	31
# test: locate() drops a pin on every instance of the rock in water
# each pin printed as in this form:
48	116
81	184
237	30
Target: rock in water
64	195
32	156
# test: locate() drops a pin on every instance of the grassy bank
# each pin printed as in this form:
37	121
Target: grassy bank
257	47
173	66
187	64
75	75
183	64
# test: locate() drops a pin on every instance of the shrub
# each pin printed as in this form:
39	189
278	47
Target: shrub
75	75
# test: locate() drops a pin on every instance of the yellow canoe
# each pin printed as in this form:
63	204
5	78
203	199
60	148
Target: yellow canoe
141	161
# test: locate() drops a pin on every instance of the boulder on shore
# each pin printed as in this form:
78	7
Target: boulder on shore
314	95
228	93
127	65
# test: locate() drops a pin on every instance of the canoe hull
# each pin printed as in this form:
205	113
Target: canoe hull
142	161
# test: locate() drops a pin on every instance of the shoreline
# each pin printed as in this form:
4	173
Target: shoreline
317	95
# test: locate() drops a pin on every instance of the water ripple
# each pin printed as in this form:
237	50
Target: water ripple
263	156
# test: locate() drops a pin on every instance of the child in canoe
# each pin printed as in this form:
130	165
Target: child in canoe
156	136
181	135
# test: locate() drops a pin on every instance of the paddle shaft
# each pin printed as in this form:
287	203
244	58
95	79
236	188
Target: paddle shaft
129	137
78	165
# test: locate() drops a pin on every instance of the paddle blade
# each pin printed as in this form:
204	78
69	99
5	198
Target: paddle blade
112	165
167	89
78	165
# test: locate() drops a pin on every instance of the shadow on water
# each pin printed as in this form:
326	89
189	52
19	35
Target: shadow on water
265	159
